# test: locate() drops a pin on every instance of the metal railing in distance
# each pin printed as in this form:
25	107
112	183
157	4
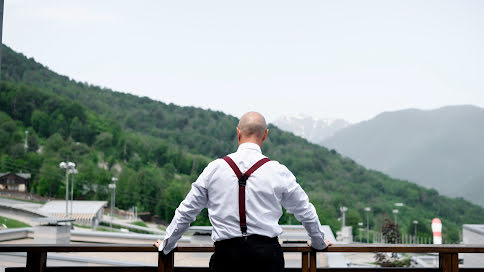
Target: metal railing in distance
37	257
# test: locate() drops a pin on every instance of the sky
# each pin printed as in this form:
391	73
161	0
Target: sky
325	59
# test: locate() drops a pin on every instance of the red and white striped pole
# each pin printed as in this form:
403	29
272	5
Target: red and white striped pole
437	230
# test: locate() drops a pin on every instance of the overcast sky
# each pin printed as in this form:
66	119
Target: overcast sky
346	59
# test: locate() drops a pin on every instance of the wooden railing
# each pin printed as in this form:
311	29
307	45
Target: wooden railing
37	257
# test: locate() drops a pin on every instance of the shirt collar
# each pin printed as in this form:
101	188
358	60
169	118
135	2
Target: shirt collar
252	146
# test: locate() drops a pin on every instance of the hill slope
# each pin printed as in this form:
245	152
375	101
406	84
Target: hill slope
160	147
440	148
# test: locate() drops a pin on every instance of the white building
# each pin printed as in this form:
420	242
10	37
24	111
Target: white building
473	234
14	181
83	211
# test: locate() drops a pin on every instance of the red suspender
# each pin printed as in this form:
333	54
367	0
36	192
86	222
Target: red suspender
242	182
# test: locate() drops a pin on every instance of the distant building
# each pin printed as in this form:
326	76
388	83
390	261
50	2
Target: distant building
473	234
14	182
83	211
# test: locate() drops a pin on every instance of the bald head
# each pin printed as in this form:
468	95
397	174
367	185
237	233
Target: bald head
252	124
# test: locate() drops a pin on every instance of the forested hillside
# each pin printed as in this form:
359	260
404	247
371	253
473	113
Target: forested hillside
157	150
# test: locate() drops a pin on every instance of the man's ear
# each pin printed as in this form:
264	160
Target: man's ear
238	134
265	135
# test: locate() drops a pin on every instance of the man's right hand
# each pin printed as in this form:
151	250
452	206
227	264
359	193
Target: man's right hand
326	241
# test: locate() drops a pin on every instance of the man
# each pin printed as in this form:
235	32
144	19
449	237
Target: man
244	193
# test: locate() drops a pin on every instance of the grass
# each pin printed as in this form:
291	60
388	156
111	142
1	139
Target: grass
82	226
140	223
12	223
106	229
115	226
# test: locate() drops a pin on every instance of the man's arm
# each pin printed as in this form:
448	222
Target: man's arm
186	213
296	201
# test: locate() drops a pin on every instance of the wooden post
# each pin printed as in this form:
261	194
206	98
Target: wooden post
36	261
304	261
312	261
448	262
166	262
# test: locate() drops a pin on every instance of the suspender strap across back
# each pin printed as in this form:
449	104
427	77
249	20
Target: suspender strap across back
242	182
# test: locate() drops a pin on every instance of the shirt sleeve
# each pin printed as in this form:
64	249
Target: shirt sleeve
296	201
186	213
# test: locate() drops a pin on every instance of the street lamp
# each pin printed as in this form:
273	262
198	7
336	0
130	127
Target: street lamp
395	212
368	210
1	29
343	211
112	186
73	172
415	222
68	166
26	139
360	225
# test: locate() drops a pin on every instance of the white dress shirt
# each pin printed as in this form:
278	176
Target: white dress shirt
269	187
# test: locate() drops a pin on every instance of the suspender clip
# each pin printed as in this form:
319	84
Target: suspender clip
242	180
243	228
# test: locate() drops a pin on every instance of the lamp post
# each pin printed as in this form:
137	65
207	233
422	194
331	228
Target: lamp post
360	225
395	212
112	186
343	218
1	30
26	140
68	166
415	222
73	172
368	210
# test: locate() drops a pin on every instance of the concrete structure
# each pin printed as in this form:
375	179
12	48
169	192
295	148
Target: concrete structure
52	231
472	234
18	182
83	211
14	234
345	235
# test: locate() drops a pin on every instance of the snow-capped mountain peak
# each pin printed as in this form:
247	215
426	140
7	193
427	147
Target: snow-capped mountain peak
314	130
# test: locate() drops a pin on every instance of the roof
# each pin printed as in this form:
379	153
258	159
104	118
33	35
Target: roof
22	175
78	207
477	228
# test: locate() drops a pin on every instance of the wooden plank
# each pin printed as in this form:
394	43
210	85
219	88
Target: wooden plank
285	248
312	261
161	262
455	262
448	262
36	261
166	263
305	262
205	269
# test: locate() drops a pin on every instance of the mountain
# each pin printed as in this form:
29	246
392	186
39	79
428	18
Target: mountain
314	130
439	148
156	150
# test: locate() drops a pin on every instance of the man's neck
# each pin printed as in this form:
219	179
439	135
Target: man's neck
253	141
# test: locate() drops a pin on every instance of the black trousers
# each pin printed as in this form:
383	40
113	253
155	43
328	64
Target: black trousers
254	254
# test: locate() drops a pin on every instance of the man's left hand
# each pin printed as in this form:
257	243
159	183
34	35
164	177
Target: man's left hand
157	244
